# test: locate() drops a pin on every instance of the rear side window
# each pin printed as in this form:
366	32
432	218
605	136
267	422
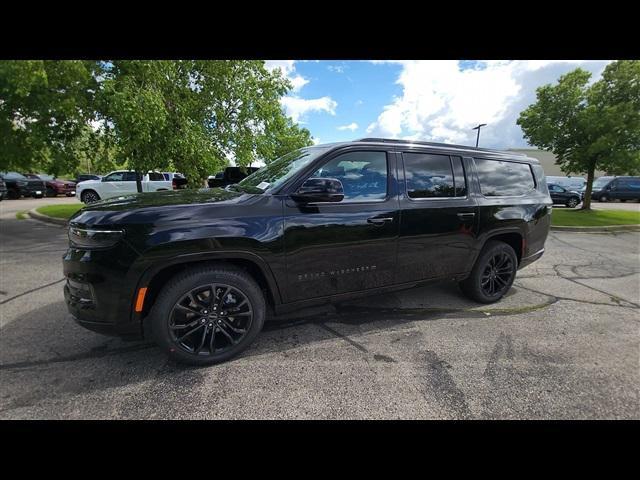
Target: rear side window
156	177
499	178
433	176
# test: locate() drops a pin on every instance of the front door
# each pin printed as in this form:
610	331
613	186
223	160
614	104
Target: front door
335	248
439	217
119	183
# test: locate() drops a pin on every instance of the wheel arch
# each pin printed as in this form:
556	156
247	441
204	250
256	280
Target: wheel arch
156	276
514	238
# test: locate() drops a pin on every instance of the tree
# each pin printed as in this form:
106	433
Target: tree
44	107
192	116
589	127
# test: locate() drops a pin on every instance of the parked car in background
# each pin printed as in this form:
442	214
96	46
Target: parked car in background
87	176
561	195
119	183
178	180
570	183
621	188
3	189
229	176
54	186
198	270
20	186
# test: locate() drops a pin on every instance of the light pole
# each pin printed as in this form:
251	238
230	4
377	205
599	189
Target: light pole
478	128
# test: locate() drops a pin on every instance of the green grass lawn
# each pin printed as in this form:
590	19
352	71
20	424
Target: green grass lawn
60	211
593	218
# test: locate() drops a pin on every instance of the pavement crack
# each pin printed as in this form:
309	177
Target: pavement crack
30	291
343	337
95	352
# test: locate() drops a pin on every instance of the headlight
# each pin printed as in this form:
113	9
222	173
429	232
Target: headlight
92	238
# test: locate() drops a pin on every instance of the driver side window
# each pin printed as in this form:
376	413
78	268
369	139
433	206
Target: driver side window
114	177
363	175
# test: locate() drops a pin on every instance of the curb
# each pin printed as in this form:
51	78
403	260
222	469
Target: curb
605	228
45	218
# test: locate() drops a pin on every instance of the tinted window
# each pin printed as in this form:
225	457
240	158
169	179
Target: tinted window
458	177
428	175
129	177
114	177
363	175
499	178
156	177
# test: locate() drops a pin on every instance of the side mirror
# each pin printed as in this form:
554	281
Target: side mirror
319	190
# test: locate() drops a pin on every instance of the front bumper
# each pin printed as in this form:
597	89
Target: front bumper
99	291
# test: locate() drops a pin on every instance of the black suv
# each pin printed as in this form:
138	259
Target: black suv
198	270
561	195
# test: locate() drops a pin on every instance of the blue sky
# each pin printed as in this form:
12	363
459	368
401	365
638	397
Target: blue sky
428	100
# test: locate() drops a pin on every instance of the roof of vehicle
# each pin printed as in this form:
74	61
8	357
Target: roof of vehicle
461	149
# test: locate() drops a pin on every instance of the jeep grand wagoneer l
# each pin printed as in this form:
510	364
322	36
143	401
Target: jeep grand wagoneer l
197	270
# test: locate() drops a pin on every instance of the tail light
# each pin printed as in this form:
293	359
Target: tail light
173	184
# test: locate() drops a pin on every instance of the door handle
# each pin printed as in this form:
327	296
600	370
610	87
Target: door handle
466	215
379	221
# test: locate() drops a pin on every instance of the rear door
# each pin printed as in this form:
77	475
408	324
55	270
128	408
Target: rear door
438	222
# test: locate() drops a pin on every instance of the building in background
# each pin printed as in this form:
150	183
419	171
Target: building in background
548	162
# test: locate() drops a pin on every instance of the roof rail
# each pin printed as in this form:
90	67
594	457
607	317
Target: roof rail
436	144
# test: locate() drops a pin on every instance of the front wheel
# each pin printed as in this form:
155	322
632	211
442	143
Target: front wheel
493	273
208	315
89	196
604	198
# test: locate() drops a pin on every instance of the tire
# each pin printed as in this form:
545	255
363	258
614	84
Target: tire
573	202
13	194
51	192
623	200
184	305
89	196
603	198
477	287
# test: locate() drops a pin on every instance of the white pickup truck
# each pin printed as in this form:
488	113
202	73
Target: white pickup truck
119	183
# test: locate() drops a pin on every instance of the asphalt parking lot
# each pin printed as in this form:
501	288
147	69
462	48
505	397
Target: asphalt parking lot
564	344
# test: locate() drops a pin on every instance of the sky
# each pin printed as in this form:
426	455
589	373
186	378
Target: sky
432	100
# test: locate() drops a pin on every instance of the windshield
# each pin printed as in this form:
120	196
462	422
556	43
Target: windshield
14	175
601	182
278	171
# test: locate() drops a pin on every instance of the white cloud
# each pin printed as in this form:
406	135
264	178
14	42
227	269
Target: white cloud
441	102
315	140
288	69
352	126
297	107
336	68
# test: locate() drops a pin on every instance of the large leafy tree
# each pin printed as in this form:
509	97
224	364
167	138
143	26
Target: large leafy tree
44	108
589	127
189	115
195	115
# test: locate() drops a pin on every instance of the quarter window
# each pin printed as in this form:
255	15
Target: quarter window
363	175
499	178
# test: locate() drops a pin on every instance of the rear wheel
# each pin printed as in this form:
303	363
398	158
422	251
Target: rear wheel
208	315
493	273
89	196
51	192
13	194
573	202
604	198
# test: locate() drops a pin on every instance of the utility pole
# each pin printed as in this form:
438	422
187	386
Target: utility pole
478	128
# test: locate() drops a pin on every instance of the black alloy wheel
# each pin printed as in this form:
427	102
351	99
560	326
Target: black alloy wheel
210	319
